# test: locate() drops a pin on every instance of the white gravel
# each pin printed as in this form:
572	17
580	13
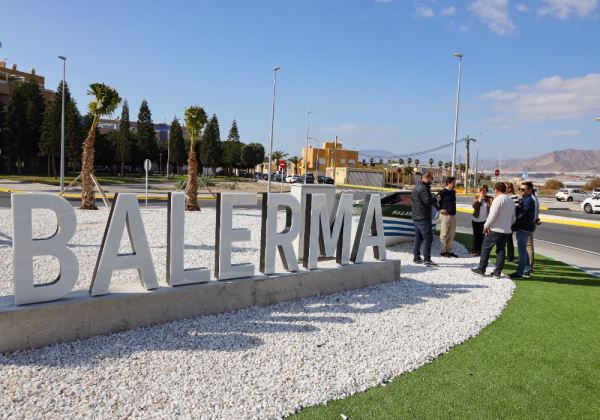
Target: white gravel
261	362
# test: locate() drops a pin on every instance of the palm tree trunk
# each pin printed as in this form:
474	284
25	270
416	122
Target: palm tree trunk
88	197
191	189
122	168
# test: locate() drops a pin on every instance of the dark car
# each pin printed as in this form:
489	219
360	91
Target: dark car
309	179
325	180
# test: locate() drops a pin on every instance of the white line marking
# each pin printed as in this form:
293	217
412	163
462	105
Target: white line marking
567	246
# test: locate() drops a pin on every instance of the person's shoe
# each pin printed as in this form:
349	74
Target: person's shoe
496	274
429	263
451	255
515	276
510	259
478	271
444	254
418	260
527	274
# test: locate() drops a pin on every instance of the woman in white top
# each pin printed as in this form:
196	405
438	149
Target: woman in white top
481	207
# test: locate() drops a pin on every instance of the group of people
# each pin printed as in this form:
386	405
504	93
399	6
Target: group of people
495	221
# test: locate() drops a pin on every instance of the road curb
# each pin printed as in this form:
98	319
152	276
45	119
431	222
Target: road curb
578	223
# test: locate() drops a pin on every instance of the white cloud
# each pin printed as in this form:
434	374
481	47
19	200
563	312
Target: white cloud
522	7
448	11
423	10
563	133
463	28
562	9
551	98
494	13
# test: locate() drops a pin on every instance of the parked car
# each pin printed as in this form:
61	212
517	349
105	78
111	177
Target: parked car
596	191
309	179
325	180
571	194
396	208
591	204
292	179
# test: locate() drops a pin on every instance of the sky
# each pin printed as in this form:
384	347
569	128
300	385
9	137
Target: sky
379	74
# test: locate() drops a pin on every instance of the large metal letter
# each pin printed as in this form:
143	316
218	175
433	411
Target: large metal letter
225	236
125	211
271	240
176	272
25	248
370	230
323	238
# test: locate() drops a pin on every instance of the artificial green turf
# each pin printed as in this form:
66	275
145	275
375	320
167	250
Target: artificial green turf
539	359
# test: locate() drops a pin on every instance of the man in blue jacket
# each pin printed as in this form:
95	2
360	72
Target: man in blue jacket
524	226
422	205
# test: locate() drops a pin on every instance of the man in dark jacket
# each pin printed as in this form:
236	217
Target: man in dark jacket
524	226
422	205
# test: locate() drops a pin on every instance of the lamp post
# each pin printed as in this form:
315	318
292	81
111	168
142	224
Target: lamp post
477	156
306	148
62	128
275	70
459	56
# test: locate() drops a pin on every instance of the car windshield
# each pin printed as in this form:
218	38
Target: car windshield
564	190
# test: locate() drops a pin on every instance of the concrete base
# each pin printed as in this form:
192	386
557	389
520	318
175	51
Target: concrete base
80	316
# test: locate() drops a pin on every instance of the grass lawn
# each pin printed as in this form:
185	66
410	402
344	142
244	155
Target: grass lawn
539	359
49	180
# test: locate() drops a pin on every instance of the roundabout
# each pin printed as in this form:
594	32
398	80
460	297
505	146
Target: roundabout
263	361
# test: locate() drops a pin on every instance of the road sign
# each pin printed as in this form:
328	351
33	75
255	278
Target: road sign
497	172
147	166
399	170
282	164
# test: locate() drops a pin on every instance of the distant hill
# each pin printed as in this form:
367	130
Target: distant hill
569	160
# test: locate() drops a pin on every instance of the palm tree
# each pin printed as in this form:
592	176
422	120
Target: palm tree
295	160
417	162
401	161
195	119
430	162
409	160
105	101
440	164
277	156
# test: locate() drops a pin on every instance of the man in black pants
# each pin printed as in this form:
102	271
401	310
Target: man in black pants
422	205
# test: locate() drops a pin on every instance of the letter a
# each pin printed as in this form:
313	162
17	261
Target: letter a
125	211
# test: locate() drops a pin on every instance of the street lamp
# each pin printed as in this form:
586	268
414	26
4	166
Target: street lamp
62	128
275	70
306	149
459	56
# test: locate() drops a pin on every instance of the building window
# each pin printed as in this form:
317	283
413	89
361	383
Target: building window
322	161
351	162
342	161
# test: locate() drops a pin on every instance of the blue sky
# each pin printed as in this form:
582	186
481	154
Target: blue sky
379	74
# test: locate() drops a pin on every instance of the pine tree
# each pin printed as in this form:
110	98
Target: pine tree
177	154
231	156
74	134
24	118
234	135
50	137
49	144
123	140
210	145
146	136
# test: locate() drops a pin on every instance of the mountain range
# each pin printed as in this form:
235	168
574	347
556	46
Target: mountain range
558	161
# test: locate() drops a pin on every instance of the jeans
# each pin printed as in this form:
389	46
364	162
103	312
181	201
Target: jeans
477	236
491	240
522	238
530	251
510	247
423	234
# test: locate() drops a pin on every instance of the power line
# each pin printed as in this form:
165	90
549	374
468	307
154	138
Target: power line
423	152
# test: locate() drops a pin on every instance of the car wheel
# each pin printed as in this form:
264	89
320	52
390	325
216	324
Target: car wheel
588	208
570	199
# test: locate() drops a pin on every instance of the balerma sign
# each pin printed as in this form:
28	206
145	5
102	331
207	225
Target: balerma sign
324	232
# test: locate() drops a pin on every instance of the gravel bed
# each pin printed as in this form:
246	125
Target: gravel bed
260	362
